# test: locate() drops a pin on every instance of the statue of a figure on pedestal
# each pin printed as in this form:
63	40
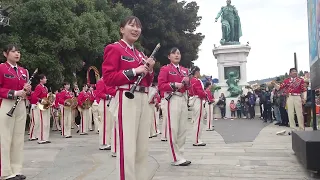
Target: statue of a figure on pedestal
232	82
231	25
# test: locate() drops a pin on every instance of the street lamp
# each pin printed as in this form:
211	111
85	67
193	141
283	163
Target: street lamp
4	13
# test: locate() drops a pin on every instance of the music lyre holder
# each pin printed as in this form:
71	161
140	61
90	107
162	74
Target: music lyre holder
4	12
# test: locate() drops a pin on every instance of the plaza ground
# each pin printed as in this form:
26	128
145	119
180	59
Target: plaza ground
267	157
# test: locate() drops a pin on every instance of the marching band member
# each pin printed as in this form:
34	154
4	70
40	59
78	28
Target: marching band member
74	112
42	117
155	101
34	125
13	84
66	111
76	89
95	109
92	112
28	106
105	93
199	98
297	95
55	113
83	98
121	66
173	78
209	106
164	128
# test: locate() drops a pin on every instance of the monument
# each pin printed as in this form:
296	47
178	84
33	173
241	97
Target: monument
231	57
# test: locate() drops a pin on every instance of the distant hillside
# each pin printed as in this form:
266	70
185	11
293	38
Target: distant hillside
262	81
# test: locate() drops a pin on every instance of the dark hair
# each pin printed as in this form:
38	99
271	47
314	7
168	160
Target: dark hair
41	76
207	84
66	83
292	69
129	20
10	47
85	85
194	69
173	50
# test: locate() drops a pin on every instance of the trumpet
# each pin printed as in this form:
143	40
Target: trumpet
10	113
130	94
47	101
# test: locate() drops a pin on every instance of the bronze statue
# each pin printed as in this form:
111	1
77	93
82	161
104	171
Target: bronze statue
232	82
231	25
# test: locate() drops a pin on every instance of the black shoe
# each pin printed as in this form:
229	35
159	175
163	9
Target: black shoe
106	148
14	178
187	163
277	123
202	144
20	176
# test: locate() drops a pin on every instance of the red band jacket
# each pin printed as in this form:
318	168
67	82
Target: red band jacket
168	75
11	80
119	61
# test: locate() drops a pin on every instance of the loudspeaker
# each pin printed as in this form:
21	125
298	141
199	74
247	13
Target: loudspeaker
306	145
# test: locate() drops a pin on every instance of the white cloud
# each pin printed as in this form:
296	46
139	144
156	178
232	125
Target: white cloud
275	29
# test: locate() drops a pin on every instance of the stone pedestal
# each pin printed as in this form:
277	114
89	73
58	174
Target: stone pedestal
230	58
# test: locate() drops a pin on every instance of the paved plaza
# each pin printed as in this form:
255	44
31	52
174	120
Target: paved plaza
268	157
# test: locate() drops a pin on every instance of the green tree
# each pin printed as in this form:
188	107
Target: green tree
57	36
171	23
301	73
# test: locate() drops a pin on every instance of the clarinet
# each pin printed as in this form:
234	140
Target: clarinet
184	83
130	94
10	113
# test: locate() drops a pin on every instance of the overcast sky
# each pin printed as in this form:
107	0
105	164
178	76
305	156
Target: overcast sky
275	30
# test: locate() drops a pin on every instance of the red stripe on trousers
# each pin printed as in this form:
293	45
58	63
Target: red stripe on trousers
82	121
122	173
41	124
170	134
198	129
62	121
104	123
33	124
